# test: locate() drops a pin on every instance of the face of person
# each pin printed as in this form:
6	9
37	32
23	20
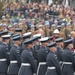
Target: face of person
45	44
32	29
8	40
0	39
31	46
53	49
56	35
71	46
19	42
60	44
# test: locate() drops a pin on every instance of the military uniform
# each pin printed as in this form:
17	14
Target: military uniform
25	37
4	57
68	60
52	62
36	47
59	50
28	64
58	53
42	54
14	58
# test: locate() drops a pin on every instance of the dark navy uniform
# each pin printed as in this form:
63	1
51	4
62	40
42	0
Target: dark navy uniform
14	60
28	64
35	51
59	50
23	46
59	53
42	55
68	60
26	36
4	57
53	64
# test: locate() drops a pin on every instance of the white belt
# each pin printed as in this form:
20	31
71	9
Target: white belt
40	63
25	64
3	59
52	68
13	62
67	63
60	62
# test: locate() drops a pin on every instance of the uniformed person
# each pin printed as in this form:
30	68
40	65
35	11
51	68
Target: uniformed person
47	29
4	32
68	30
36	46
68	58
32	30
4	55
15	56
28	64
56	34
25	37
52	61
59	42
18	31
37	43
42	54
50	39
0	38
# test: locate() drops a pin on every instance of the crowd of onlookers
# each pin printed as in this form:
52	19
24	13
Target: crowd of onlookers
39	18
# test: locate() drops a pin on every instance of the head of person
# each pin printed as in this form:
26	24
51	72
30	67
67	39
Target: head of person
6	38
56	33
17	40
26	36
73	34
29	43
59	42
50	39
37	40
52	47
32	28
44	41
18	31
68	43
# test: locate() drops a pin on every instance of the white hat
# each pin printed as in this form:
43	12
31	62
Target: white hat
6	36
52	25
63	24
15	24
39	26
37	35
32	26
44	39
56	31
3	16
68	23
26	34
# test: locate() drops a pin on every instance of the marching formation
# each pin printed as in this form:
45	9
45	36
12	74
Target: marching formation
37	39
26	55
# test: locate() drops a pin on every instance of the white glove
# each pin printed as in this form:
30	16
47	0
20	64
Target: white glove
34	74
